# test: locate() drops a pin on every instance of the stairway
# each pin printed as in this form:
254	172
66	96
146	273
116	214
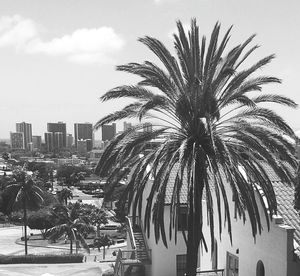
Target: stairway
132	262
141	248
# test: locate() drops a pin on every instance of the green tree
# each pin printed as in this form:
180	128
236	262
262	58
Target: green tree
71	226
209	123
23	194
70	174
41	220
64	195
99	218
103	241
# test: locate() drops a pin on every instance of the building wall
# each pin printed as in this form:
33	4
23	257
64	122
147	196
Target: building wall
58	127
273	248
108	132
26	129
49	141
37	142
17	140
83	131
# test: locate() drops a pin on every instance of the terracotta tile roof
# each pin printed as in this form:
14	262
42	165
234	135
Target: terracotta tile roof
284	194
285	198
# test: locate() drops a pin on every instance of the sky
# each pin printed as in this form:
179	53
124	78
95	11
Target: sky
58	57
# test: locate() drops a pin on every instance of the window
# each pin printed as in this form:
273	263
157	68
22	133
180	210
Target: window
260	269
182	219
180	265
215	256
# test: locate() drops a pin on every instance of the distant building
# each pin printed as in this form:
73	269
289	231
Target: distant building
61	128
49	141
17	140
58	140
147	127
127	126
26	129
108	132
82	146
69	141
37	142
84	131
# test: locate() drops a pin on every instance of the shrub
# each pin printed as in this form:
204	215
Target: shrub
41	259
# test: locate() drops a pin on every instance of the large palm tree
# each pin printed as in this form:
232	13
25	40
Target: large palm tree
211	123
24	194
70	225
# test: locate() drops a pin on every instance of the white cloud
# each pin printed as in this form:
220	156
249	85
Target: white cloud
16	31
86	46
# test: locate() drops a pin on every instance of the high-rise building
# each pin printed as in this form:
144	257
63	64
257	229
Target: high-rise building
69	141
37	142
108	132
84	131
17	140
49	141
26	129
58	140
82	146
58	127
127	126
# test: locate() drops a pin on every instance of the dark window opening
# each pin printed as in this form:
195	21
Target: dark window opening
182	219
180	265
260	269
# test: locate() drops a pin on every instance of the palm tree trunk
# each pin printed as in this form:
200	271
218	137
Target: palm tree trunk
25	224
195	222
71	246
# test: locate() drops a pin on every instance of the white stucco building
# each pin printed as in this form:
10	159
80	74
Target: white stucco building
275	252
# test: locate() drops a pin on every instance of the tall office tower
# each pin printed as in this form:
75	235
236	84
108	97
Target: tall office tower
37	142
127	126
49	141
108	132
58	140
84	131
82	146
25	128
17	140
147	127
69	141
58	127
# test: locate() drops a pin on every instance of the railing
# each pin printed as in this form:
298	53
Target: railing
214	272
118	263
139	223
130	230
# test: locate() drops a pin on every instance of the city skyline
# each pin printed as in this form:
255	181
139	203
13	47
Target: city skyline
55	70
72	132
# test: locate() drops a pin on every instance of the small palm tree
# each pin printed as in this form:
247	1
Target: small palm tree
209	121
64	195
99	217
103	241
73	228
24	194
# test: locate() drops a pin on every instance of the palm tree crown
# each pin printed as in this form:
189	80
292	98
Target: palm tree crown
71	225
210	122
24	194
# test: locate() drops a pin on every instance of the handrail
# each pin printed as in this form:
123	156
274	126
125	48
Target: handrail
145	242
130	230
139	222
118	262
216	271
